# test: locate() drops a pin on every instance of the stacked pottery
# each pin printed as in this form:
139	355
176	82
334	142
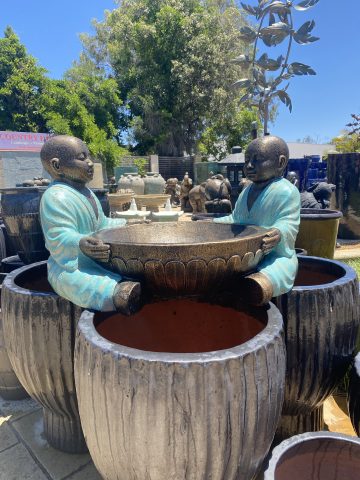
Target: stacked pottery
188	387
354	395
321	322
39	330
132	181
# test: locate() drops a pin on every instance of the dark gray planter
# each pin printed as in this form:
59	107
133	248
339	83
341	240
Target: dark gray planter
316	456
160	416
10	387
343	171
39	328
354	395
321	321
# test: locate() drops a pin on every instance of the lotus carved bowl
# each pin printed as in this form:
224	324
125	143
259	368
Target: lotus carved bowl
185	258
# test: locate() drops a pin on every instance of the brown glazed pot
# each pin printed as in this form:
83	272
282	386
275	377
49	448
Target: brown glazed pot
39	328
184	258
316	456
354	395
321	321
156	414
10	387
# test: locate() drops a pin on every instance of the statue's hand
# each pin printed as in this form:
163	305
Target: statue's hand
95	249
270	240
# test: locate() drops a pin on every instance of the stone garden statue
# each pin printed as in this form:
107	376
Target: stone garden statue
173	189
70	214
217	193
317	196
273	202
185	187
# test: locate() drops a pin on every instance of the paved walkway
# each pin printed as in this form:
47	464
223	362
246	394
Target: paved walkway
26	455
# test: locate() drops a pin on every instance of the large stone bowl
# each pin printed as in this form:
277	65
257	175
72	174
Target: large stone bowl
186	258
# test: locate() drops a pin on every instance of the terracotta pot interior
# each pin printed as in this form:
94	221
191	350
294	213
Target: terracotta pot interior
320	459
181	326
317	272
34	279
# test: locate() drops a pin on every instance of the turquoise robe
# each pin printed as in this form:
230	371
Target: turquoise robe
66	217
278	206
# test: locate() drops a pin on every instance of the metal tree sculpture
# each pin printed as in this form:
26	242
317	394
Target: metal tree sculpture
260	89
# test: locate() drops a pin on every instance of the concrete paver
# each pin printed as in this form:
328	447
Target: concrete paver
7	436
17	464
87	473
59	465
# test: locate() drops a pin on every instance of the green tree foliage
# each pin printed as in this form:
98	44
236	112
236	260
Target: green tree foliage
232	128
171	60
22	82
349	140
85	104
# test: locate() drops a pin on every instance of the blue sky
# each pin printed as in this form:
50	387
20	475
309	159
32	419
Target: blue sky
321	105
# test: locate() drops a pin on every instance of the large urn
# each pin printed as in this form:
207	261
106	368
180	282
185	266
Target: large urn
321	322
316	456
182	389
39	331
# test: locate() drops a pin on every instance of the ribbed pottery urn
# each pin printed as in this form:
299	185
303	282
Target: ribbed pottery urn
321	321
316	456
354	395
183	389
39	330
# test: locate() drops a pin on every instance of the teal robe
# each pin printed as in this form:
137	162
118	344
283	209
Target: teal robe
66	217
278	206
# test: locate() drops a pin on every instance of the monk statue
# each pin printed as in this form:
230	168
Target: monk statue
70	214
273	202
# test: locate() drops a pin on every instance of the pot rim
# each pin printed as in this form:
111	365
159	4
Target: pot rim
291	442
319	214
349	276
273	329
10	284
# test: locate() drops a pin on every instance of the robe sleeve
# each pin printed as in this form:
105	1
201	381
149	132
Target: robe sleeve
60	229
236	215
287	221
105	222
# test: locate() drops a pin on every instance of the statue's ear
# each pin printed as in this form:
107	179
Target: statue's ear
282	162
55	165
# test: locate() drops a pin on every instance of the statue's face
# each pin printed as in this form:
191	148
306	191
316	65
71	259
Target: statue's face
262	163
75	164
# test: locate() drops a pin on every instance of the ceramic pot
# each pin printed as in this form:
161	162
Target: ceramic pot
132	181
8	264
321	322
10	387
102	195
153	183
39	329
150	412
20	212
318	231
316	456
354	395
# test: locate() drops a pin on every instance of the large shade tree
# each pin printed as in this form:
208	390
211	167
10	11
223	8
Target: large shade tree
171	61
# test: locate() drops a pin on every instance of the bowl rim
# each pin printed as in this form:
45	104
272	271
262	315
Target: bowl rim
261	232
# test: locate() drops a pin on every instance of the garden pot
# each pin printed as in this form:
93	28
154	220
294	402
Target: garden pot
153	183
179	390
10	387
300	251
354	395
20	213
132	181
102	195
316	456
8	264
318	231
344	172
321	322
39	329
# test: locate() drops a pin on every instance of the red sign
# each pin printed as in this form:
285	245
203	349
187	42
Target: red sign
22	141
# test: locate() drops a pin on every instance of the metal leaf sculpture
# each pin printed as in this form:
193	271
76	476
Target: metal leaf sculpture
260	89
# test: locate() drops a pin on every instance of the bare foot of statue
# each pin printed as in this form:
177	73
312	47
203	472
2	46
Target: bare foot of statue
256	289
127	297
